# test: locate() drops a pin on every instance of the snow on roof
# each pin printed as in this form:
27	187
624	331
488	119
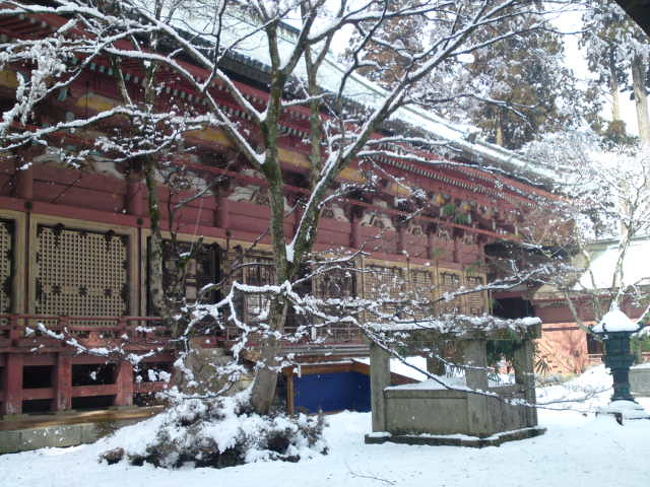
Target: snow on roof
249	41
615	320
603	258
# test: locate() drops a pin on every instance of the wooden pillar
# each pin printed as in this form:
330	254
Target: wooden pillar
379	380
430	245
222	213
475	357
13	381
63	382
134	203
355	237
25	183
124	382
400	238
524	363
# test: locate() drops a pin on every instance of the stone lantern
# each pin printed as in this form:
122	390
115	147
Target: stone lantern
615	329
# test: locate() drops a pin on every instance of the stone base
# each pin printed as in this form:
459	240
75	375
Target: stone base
66	428
624	411
456	440
640	380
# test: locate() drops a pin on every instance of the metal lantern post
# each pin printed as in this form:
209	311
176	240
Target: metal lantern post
615	329
619	358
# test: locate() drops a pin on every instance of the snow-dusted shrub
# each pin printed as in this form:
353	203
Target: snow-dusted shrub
223	432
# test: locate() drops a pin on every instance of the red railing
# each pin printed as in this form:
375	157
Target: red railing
23	329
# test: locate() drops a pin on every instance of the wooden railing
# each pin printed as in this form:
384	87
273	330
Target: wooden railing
23	329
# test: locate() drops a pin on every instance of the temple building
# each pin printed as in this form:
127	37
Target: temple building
74	241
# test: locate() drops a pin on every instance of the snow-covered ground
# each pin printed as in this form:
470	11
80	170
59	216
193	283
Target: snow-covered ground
578	450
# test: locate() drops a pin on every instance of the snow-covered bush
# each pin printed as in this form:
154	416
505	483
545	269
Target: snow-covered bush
220	432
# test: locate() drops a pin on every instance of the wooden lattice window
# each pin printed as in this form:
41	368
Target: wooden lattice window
6	264
257	271
384	283
476	302
335	283
81	272
202	269
448	283
421	282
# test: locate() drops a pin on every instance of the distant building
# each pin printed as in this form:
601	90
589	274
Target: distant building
564	345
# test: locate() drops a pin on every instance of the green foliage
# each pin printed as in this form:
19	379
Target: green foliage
640	345
498	350
534	92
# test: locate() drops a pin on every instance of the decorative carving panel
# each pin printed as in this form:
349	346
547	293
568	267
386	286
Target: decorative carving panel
81	272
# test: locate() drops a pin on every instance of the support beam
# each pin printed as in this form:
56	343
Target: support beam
13	381
63	382
124	382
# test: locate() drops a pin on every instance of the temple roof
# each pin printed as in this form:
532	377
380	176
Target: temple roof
249	46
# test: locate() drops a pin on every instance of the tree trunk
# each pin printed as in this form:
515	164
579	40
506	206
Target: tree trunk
499	136
641	98
616	99
266	376
156	257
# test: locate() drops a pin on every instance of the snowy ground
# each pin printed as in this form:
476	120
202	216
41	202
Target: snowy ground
578	450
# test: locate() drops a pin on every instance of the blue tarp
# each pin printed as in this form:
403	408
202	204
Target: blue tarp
332	392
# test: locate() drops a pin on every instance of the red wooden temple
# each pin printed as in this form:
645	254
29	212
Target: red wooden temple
73	244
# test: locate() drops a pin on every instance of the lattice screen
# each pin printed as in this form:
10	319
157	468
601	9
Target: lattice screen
449	282
335	283
421	282
476	302
384	283
202	269
258	271
81	273
6	264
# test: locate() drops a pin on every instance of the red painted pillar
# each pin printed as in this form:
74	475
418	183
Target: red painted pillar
63	382
222	213
13	380
124	381
430	245
25	183
400	238
355	232
134	196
